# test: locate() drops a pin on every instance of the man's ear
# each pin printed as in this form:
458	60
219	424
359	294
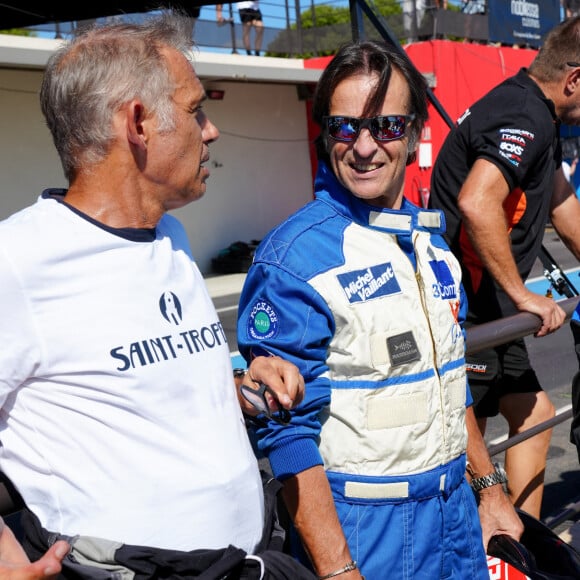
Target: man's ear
573	81
136	124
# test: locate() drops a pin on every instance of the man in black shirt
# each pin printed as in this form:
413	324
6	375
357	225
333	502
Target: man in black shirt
498	178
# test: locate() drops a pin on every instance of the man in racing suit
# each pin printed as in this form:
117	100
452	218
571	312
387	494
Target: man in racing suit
360	291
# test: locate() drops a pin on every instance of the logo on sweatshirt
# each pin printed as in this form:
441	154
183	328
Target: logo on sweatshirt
170	307
150	350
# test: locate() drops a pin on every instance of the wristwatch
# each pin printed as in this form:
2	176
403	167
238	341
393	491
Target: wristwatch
498	476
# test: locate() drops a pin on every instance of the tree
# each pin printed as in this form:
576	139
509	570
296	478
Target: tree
324	28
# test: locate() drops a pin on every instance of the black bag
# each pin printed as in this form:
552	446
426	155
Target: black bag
237	257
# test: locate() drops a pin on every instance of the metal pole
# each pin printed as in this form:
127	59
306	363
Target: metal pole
563	415
414	34
356	21
314	35
388	36
299	27
287	10
483	336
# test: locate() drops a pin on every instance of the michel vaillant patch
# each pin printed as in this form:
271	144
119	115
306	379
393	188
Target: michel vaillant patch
373	282
403	348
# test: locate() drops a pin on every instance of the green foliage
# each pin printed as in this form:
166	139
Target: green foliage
387	7
324	15
19	32
325	29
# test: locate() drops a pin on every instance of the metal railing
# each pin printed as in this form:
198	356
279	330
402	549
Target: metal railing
296	31
498	332
510	328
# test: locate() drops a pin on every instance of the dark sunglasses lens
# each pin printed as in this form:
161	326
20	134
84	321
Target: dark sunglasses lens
383	128
388	128
255	398
343	128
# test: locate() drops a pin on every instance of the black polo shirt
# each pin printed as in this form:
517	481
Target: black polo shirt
515	127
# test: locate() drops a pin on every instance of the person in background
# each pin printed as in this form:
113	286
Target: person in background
571	8
251	17
418	18
498	178
373	462
114	357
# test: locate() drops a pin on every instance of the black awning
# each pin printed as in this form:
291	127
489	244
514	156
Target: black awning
23	13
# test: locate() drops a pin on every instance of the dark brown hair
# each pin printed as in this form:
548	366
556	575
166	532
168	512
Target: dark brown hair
369	57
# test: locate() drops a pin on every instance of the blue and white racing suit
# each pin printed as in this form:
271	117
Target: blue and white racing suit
368	303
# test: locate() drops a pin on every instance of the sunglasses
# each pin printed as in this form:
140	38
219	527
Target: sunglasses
382	128
257	398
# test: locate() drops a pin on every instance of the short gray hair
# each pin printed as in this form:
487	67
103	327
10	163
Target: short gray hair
88	79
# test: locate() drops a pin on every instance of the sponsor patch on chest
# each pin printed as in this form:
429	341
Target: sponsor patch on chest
373	282
403	348
444	286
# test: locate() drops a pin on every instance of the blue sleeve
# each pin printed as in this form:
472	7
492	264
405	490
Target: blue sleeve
285	316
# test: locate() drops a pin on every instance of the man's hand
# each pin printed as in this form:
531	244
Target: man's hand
498	515
547	309
14	564
280	375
